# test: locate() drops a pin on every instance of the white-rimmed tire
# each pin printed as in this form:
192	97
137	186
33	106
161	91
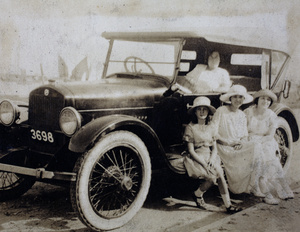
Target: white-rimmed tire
284	139
113	180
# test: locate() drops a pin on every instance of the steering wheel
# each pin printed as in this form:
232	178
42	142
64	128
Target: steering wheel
134	60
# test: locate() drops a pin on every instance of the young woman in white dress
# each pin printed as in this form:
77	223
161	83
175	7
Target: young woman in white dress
262	124
241	158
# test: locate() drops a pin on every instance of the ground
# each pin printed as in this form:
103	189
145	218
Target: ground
47	207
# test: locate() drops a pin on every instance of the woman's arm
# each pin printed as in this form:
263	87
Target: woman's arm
228	143
269	135
195	156
224	81
272	126
213	155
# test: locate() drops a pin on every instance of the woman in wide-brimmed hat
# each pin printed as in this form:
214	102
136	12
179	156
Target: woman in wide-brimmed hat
262	124
202	161
237	90
239	156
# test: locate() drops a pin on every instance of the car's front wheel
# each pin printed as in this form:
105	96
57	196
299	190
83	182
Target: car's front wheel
113	180
13	185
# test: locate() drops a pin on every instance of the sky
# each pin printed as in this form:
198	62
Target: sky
37	35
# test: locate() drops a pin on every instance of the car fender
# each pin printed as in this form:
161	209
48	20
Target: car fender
94	130
287	113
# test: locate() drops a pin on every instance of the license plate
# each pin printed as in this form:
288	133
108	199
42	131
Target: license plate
41	135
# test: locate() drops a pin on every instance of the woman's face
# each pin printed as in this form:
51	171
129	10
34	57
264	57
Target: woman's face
201	112
264	102
237	100
213	60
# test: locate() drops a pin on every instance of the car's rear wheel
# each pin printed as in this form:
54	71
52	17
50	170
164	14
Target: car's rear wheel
13	185
112	182
284	139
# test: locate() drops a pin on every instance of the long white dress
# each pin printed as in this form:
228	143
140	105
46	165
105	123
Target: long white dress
258	126
243	166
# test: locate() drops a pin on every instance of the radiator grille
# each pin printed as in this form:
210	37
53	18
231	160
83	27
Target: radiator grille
44	110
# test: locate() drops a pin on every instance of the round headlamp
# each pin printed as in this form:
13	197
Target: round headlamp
69	121
9	113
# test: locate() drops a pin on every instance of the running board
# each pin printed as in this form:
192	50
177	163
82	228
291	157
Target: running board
39	173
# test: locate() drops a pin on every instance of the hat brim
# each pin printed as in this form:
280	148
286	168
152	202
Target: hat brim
265	93
211	109
226	97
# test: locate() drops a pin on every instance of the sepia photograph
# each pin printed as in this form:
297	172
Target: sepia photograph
157	116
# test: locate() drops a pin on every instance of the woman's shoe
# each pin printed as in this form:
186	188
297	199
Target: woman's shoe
258	193
289	195
199	202
233	209
269	199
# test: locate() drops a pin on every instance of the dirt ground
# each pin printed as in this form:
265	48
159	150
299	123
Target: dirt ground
47	207
43	206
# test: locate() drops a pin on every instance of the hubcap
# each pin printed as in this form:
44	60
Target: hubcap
126	183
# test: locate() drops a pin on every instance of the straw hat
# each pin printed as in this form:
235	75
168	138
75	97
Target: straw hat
236	90
265	92
201	101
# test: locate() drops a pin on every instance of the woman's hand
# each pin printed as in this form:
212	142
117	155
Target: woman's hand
266	138
237	146
210	164
223	142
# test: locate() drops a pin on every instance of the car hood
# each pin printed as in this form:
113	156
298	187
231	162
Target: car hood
111	93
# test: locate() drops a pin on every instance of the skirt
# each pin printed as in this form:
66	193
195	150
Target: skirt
198	171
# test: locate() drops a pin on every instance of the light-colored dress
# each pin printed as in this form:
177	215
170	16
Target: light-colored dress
203	137
243	166
258	126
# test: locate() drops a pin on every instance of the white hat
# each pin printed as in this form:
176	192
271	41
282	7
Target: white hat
201	101
236	90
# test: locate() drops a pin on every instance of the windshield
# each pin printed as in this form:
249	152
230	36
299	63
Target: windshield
143	58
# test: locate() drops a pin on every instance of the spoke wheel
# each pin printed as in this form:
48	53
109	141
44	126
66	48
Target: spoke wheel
283	136
113	181
13	185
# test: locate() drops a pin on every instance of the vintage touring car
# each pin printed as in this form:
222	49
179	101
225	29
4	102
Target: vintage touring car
109	137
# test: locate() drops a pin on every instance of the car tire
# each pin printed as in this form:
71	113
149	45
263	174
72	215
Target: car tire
113	180
284	138
14	185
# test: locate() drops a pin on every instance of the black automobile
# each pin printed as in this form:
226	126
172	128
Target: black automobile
107	138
